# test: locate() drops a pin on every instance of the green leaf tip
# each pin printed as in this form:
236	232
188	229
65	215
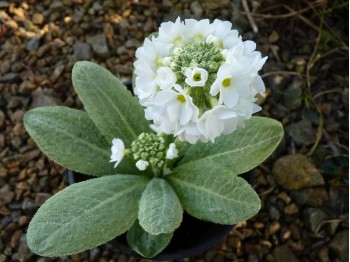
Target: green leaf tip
160	209
146	244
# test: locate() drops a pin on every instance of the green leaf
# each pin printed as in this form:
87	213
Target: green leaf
214	194
85	215
240	151
160	209
115	112
144	243
70	138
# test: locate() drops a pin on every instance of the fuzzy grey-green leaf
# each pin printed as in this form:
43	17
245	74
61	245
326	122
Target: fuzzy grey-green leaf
115	112
214	194
241	150
70	138
144	243
160	209
85	215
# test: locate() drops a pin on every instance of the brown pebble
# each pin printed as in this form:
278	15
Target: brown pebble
273	227
23	220
38	19
284	197
291	209
15	238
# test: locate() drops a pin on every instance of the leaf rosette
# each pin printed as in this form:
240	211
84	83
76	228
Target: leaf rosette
146	180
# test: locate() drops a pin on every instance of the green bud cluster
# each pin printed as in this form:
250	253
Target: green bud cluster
149	147
203	55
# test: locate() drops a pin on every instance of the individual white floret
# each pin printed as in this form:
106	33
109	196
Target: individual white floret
118	151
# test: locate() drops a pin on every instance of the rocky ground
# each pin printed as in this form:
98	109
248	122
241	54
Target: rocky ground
303	186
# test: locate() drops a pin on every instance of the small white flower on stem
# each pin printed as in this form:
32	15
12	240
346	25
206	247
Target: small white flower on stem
172	152
196	76
118	151
142	165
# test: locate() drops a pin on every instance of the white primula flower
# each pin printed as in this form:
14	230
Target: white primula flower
197	31
142	165
217	121
223	35
172	108
172	152
198	80
196	76
118	151
165	77
171	33
231	86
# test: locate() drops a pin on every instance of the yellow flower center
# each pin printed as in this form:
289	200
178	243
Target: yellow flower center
226	82
181	98
197	77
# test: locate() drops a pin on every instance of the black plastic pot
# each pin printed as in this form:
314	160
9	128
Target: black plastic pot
191	238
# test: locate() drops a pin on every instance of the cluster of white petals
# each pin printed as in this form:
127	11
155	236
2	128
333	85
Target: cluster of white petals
118	151
198	79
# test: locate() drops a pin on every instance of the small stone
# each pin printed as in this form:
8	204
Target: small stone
283	254
273	227
14	102
122	258
274	213
56	5
10	77
26	86
340	245
15	238
292	95
38	19
57	73
5	66
122	50
42	98
284	197
296	172
99	45
82	50
33	44
313	217
40	198
2	119
291	209
29	206
6	194
131	43
301	132
314	197
197	9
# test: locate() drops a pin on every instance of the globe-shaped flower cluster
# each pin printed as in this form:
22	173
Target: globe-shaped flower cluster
198	79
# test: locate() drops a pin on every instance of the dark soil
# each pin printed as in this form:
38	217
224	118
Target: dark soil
303	185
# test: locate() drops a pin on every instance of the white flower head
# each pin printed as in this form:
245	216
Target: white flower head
142	165
118	151
165	77
196	76
198	79
172	152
